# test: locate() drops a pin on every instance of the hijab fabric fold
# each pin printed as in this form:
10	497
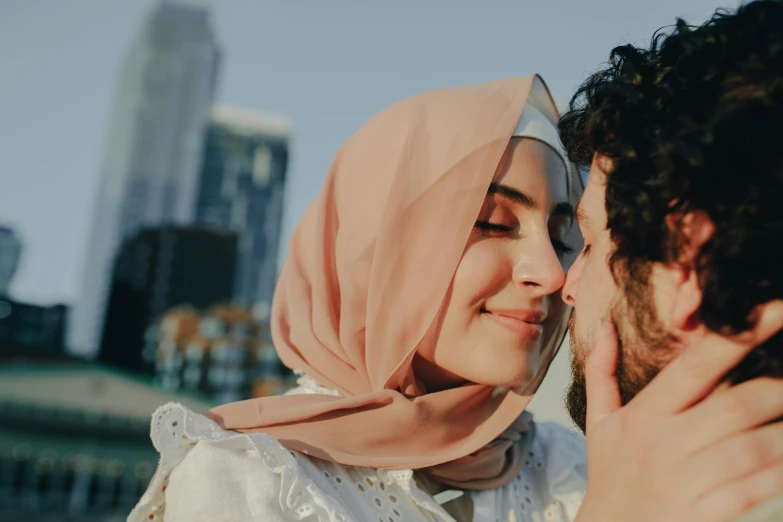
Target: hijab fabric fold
367	271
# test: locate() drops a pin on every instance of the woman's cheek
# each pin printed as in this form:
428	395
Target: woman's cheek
482	271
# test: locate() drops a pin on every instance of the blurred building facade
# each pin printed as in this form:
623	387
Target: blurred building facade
159	269
242	188
74	441
26	330
223	353
178	280
151	168
29	330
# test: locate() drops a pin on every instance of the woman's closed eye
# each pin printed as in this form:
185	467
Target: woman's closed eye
496	219
493	227
561	248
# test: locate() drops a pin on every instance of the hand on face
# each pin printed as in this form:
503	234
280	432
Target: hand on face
680	450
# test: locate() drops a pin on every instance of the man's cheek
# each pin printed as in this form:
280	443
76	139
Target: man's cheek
583	334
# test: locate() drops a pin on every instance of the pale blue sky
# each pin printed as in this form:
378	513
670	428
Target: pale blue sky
326	65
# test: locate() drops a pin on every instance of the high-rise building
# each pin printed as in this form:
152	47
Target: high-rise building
242	189
151	168
160	269
10	251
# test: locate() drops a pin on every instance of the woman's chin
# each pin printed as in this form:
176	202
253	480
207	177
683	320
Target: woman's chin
523	378
519	376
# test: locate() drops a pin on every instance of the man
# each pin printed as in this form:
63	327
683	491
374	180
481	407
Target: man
682	227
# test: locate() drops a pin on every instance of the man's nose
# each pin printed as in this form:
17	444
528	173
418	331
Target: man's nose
572	282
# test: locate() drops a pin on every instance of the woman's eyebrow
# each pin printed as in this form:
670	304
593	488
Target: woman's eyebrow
561	209
512	194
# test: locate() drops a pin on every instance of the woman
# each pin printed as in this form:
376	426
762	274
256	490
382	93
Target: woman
420	297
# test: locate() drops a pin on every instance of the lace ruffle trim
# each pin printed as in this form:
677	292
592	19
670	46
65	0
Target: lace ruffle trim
175	430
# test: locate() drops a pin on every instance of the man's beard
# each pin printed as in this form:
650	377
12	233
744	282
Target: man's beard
644	348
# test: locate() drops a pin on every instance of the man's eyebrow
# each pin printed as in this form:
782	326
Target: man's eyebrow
512	194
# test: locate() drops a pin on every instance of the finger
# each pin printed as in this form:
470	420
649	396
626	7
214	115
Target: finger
730	460
728	412
603	393
696	372
728	502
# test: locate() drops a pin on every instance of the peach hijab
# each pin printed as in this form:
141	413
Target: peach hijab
367	270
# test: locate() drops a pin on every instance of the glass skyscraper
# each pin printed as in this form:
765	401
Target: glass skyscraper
150	173
242	189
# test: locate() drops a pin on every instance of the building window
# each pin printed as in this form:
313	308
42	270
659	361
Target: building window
262	166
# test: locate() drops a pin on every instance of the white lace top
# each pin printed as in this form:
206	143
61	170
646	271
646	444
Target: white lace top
208	474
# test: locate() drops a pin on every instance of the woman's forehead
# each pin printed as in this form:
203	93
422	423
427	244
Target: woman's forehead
532	166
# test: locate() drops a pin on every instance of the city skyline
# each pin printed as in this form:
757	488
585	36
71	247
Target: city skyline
326	68
279	58
151	163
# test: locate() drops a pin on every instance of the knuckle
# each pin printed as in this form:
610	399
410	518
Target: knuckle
754	451
693	426
765	387
751	493
776	479
776	390
731	501
734	405
695	363
742	500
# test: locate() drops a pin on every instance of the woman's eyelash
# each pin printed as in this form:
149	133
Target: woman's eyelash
561	248
494	227
585	251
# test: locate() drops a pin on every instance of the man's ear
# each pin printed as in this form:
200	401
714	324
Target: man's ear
691	231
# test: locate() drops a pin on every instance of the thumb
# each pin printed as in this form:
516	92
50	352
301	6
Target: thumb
603	392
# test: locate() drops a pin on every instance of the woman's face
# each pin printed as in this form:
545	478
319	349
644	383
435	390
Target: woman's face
489	330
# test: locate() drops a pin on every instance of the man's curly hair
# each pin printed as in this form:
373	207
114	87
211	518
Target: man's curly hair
695	122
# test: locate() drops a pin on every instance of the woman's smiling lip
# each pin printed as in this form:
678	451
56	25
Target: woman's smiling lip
528	323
